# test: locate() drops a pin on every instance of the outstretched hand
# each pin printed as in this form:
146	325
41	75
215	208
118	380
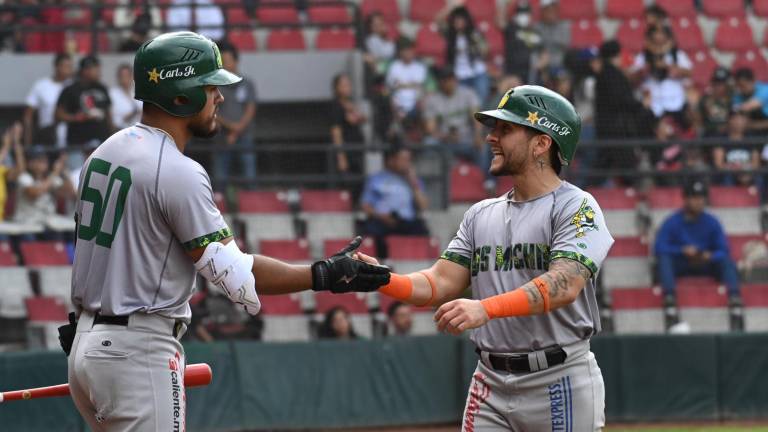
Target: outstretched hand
343	273
458	315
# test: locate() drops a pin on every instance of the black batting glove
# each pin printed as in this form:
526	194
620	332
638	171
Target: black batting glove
341	273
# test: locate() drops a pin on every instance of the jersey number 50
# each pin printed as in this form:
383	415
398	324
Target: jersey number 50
101	203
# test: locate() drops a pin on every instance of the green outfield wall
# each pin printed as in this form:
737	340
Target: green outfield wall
420	380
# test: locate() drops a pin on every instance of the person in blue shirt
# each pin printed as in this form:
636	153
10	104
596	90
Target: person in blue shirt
393	200
751	98
691	242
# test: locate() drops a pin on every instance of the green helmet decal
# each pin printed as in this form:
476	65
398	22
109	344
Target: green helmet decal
541	109
174	67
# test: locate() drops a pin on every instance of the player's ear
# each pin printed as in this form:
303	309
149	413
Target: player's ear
541	145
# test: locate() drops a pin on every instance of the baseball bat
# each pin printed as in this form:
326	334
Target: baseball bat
195	375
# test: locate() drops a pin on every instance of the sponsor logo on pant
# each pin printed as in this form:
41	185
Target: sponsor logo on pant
561	405
177	394
478	394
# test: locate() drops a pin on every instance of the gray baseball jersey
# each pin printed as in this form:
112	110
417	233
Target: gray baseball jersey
142	204
505	244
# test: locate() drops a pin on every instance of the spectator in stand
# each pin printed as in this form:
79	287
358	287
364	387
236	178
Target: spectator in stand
39	187
715	106
126	110
521	42
139	33
735	155
751	99
382	115
656	16
337	325
236	113
663	70
555	34
393	200
400	318
208	19
405	78
42	100
691	242
11	139
346	126
466	48
216	318
379	47
449	121
86	108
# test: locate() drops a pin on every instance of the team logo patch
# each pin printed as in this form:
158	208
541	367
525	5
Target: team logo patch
217	54
154	76
561	405
178	72
533	117
584	219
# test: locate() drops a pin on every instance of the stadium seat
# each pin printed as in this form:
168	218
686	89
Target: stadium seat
332	246
236	16
424	11
737	208
328	14
335	39
746	253
277	14
328	215
755	307
430	43
44	253
45	315
754	60
627	264
286	250
482	10
624	9
56	281
631	35
243	40
285	39
578	10
494	39
760	8
284	319
585	34
16	287
355	303
619	207
389	9
411	253
662	201
467	183
7	257
77	16
266	215
442	225
703	68
734	34
637	310
678	8
504	185
688	34
723	8
84	42
703	304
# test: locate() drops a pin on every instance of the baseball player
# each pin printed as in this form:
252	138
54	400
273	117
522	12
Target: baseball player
146	223
531	258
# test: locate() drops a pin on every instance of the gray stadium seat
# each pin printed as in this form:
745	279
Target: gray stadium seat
637	311
16	287
56	281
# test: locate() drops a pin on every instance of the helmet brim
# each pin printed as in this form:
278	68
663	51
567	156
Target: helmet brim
220	77
488	118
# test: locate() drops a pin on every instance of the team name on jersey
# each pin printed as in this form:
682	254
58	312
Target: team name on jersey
532	256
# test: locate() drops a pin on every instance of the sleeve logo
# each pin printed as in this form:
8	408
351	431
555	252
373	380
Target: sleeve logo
584	219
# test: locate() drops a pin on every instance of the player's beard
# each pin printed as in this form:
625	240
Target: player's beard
207	129
511	163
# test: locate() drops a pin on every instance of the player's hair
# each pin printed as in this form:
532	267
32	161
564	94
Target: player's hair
60	57
226	46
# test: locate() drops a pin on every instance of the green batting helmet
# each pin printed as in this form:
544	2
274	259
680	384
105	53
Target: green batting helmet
175	67
541	109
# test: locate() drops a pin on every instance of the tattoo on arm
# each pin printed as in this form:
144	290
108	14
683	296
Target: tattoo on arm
560	277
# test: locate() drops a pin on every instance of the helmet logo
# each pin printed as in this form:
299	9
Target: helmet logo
504	99
153	76
533	117
217	54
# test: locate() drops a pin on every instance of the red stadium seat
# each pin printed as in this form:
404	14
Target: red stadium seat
46	309
326	201
221	202
353	302
286	40
723	8
84	42
734	34
698	292
494	39
262	202
424	11
631	35
467	183
586	34
688	34
629	247
665	198
329	14
7	257
236	16
288	250
678	8
242	39
635	298
703	68
615	198
335	39
387	8
430	43
412	248
482	10
280	305
755	295
760	7
733	196
332	246
44	253
736	244
286	14
578	10
624	9
78	16
752	59
504	184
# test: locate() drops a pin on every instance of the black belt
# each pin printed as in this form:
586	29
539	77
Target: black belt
516	363
122	320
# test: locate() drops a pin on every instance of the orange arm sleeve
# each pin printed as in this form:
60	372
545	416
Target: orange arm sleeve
514	303
400	287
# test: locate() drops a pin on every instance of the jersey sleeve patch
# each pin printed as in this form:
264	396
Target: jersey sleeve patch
585	261
458	259
584	219
203	241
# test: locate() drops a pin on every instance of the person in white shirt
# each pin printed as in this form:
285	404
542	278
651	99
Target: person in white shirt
125	109
208	19
405	78
41	100
466	49
379	47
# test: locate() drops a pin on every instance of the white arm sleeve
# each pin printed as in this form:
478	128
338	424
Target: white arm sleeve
231	270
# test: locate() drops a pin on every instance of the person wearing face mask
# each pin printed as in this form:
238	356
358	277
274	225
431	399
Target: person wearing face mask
521	42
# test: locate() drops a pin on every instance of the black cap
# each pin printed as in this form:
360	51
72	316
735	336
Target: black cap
444	73
744	73
88	61
720	75
695	188
610	49
35	152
